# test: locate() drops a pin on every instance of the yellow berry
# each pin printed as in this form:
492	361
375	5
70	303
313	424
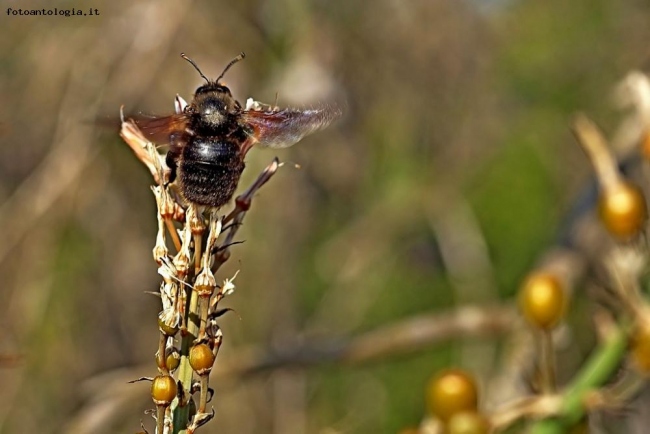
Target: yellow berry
542	300
173	360
163	390
467	422
201	358
450	392
623	210
165	329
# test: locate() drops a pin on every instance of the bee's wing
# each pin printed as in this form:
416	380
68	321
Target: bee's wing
285	127
159	129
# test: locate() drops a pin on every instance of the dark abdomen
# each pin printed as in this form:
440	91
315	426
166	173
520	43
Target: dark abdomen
209	170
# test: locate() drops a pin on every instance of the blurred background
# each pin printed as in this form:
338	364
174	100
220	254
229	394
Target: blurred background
447	178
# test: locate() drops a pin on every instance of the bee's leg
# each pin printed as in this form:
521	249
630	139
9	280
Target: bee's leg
171	163
174	154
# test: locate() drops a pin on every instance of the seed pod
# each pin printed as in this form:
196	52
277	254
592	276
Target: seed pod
622	210
163	390
172	360
165	329
451	392
201	359
542	300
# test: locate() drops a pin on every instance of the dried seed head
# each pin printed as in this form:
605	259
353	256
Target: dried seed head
205	283
166	205
196	223
182	262
228	286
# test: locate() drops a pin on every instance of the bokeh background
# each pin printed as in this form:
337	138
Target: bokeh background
449	175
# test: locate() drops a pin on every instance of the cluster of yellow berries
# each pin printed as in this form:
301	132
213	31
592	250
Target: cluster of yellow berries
164	387
452	395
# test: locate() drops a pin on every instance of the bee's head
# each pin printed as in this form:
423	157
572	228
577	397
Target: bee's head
212	104
213	101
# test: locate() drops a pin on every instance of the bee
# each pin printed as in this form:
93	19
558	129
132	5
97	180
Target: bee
209	137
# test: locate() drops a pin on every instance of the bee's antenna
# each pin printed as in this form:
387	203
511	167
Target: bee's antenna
195	66
232	62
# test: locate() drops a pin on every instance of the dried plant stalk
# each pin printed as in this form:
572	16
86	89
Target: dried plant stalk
189	291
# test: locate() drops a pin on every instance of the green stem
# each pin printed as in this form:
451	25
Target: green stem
185	372
598	369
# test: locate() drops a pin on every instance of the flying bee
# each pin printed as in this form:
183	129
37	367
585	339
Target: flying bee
209	137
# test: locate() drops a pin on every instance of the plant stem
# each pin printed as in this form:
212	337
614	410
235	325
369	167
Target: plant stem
598	369
185	372
547	362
